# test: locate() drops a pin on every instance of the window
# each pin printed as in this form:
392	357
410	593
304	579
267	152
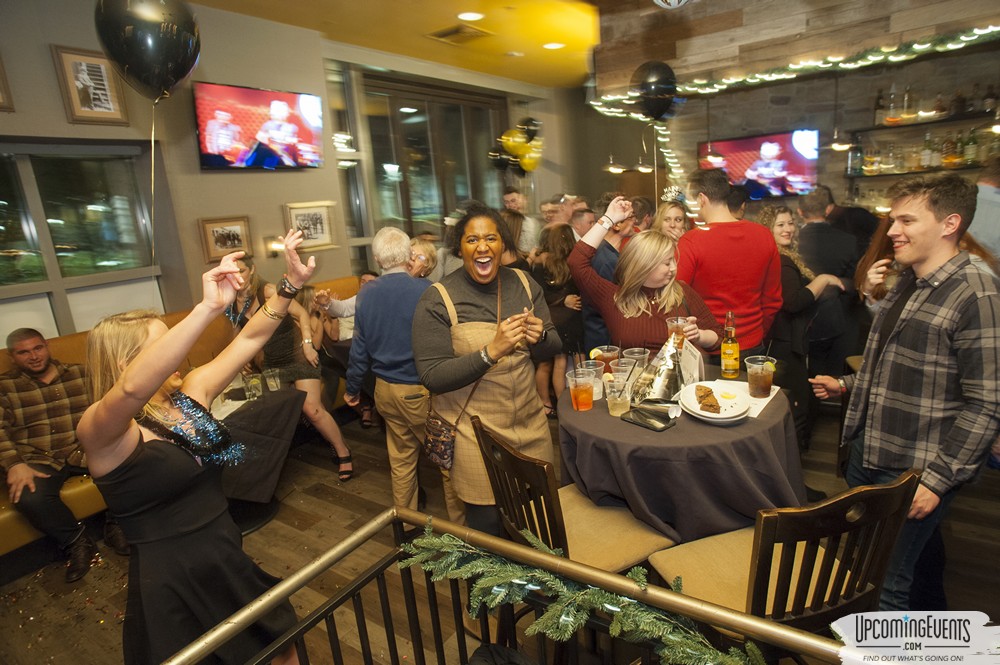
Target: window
20	260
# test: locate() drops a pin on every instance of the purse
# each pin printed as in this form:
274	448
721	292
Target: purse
439	434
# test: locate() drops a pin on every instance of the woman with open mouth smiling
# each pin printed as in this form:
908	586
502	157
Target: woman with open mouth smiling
476	332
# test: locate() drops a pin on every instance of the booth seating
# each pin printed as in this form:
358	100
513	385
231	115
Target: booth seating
80	493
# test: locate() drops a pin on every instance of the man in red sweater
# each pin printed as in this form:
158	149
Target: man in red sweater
732	263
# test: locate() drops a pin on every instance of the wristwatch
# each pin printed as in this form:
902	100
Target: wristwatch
606	224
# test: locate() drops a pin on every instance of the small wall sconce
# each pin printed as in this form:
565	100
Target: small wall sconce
273	246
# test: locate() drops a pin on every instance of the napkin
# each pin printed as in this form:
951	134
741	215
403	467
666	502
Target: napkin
757	404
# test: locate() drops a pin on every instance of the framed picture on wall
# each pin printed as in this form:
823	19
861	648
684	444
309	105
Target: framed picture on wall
222	235
315	221
92	91
6	103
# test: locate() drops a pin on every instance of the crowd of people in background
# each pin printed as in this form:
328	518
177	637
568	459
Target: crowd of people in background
488	322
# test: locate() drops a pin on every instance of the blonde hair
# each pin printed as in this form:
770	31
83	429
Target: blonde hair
662	211
427	248
113	343
643	253
767	216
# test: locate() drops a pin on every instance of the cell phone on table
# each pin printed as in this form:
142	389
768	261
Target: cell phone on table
648	420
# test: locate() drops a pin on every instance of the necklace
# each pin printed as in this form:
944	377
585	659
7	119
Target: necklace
231	314
194	430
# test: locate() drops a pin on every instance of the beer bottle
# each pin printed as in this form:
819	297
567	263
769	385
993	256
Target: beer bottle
730	349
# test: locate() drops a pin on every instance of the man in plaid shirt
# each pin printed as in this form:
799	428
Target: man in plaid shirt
927	393
41	402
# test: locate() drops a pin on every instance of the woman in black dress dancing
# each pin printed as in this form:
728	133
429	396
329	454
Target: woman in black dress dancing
156	453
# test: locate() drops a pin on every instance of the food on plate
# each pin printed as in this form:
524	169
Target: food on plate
706	399
727	395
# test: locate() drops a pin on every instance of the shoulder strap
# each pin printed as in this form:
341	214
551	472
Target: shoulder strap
449	305
524	281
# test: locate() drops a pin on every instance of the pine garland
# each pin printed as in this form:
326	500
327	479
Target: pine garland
495	580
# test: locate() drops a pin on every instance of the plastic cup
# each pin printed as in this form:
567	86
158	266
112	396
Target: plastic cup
639	355
581	388
253	386
619	396
675	326
607	353
622	368
272	377
599	368
760	375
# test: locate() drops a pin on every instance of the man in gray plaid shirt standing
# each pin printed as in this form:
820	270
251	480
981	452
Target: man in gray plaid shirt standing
927	393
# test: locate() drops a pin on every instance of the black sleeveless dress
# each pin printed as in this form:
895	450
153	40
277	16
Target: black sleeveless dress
187	569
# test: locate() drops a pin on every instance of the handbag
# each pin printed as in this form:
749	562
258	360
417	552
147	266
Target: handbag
439	434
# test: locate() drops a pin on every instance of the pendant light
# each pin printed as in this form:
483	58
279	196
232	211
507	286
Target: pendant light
712	157
614	167
641	166
835	142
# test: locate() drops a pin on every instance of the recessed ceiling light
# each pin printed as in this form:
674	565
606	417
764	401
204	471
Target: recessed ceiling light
470	16
407	109
552	46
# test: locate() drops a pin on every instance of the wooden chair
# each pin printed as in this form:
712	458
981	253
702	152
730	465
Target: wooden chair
527	495
801	567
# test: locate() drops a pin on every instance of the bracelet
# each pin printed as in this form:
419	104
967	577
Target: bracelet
843	385
286	290
484	354
610	223
307	341
271	314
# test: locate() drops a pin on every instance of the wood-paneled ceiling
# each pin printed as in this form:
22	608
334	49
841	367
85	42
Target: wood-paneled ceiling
402	27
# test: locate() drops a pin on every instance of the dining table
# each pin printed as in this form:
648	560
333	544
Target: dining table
692	480
266	427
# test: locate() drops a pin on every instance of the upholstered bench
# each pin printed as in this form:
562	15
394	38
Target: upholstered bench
79	493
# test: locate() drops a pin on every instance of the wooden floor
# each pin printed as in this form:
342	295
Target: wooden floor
45	620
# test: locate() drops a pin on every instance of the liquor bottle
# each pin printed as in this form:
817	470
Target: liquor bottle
940	108
957	103
855	158
971	150
974	101
890	160
990	99
926	152
949	152
879	110
936	157
892	114
909	108
730	349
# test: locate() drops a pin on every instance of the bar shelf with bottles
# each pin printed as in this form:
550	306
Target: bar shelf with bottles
905	140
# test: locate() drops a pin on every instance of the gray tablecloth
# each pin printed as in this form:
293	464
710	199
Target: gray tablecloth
690	481
265	426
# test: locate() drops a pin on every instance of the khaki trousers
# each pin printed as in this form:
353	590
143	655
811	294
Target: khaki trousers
404	409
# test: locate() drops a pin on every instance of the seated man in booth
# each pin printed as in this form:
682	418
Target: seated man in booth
41	402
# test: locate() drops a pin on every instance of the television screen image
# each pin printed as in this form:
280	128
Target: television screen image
248	128
771	165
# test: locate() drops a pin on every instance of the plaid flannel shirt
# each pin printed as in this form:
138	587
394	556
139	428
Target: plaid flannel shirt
930	401
38	421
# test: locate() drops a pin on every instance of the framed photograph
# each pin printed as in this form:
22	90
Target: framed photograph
93	94
6	103
315	221
222	235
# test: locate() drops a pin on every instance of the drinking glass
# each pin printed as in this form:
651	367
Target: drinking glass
639	355
624	368
253	386
272	377
675	326
581	388
619	396
599	368
606	353
760	374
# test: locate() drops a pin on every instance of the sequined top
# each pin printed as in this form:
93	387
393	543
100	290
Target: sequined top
197	431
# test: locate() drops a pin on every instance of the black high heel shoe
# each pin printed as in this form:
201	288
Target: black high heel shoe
348	474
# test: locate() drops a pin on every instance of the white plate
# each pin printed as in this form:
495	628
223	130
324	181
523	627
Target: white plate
732	407
701	415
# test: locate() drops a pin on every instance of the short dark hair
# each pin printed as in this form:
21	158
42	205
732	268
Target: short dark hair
826	193
481	211
813	204
511	189
642	206
947	194
22	334
713	183
370	273
737	198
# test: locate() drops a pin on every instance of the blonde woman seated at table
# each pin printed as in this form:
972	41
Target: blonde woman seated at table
645	292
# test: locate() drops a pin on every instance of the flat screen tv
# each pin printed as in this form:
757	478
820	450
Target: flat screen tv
781	164
249	128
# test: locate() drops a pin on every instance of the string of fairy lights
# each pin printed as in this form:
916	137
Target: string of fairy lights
619	105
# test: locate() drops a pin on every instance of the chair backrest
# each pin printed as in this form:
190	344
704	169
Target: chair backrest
813	565
525	490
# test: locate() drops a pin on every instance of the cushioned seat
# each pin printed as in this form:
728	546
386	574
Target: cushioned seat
79	493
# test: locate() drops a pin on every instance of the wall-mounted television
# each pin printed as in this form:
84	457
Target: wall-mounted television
249	128
782	164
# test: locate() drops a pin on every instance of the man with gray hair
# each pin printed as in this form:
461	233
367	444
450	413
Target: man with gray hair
383	343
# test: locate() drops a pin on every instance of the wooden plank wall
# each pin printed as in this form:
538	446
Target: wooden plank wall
721	38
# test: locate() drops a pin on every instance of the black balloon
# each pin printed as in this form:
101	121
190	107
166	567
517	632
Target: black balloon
499	159
516	169
153	44
655	85
530	127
